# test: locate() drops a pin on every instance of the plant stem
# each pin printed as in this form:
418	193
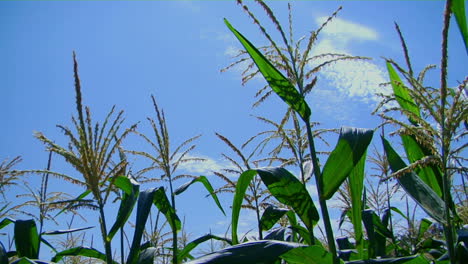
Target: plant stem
323	202
444	150
174	232
107	244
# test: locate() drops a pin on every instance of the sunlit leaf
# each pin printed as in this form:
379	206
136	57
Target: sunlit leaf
26	239
308	255
262	251
5	222
270	216
287	189
415	187
280	84
163	204
208	187
352	145
402	94
131	190
356	185
242	183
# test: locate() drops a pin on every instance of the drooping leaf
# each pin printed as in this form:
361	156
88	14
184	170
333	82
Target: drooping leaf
80	251
242	183
308	255
26	239
402	95
208	187
356	185
270	216
303	233
415	187
193	244
60	232
458	9
145	201
280	84
287	189
431	174
352	145
163	204
47	243
131	190
6	221
262	251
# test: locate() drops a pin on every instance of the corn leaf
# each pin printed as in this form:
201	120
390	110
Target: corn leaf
60	232
402	95
145	201
242	183
356	184
304	233
458	9
376	233
270	216
163	204
424	224
416	259
80	251
5	222
208	187
308	255
352	145
193	244
287	189
147	255
3	254
131	190
431	174
25	260
26	239
432	204
280	84
262	251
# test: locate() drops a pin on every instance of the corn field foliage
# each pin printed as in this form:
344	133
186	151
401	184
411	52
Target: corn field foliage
422	141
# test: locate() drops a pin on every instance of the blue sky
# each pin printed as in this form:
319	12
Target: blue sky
174	50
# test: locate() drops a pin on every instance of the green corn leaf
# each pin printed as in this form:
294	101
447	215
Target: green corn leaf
80	251
26	239
208	187
131	190
303	232
163	204
262	251
270	216
25	260
402	95
193	244
432	204
352	145
47	243
308	255
458	9
6	221
424	224
356	184
242	183
376	233
145	201
3	254
287	189
398	211
280	84
431	175
60	232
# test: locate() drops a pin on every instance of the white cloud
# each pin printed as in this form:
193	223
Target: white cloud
204	167
346	30
189	5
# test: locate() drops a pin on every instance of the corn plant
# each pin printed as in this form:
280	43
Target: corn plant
433	133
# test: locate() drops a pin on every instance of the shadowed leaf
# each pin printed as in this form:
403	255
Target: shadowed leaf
26	239
308	255
270	216
352	145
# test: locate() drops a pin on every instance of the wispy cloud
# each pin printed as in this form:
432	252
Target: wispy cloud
357	79
204	167
189	5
